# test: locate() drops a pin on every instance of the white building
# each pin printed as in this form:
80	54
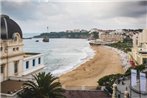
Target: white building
139	50
111	37
14	62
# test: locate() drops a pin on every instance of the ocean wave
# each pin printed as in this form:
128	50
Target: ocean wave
61	55
87	54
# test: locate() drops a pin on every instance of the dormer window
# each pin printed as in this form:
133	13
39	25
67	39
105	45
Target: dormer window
15	37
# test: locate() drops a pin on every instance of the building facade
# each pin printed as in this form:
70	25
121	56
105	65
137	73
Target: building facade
14	62
111	37
139	50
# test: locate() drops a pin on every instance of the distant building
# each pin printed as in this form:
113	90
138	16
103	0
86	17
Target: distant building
14	62
111	37
93	35
139	50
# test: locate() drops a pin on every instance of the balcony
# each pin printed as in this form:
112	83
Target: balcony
142	51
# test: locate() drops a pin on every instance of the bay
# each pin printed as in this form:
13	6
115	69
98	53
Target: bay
60	55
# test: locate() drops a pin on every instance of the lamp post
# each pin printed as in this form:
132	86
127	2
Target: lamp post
114	90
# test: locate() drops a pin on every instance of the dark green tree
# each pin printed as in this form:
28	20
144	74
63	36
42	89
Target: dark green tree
44	86
95	35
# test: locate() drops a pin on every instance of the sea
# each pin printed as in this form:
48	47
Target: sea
60	55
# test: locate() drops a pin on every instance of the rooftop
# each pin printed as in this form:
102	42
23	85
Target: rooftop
8	28
11	86
28	54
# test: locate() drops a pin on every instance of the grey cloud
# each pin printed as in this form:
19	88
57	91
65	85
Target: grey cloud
30	10
132	9
143	3
65	15
22	11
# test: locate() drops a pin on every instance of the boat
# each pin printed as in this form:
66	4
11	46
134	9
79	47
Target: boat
45	39
37	40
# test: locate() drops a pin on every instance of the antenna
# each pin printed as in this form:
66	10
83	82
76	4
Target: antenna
47	29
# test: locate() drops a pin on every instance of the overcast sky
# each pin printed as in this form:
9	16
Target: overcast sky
35	16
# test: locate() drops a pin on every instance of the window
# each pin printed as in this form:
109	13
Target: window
15	66
2	68
33	62
13	49
136	42
27	64
17	48
39	60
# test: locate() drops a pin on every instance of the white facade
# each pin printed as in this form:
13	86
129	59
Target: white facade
111	37
16	66
139	50
11	57
13	60
32	63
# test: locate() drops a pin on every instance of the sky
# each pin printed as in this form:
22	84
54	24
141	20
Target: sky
34	16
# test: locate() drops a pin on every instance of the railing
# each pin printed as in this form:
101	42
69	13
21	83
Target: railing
79	87
20	78
119	94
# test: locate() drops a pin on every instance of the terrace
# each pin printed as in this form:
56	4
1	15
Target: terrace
29	54
11	86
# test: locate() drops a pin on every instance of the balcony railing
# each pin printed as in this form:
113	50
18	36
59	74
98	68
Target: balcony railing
142	51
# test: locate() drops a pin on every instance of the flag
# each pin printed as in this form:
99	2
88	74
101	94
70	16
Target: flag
142	82
133	77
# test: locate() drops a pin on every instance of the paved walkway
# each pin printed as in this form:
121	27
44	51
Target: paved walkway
122	87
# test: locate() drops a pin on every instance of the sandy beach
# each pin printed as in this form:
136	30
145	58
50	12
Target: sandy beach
106	61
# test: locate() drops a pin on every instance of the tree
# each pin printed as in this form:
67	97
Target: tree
44	86
108	80
95	35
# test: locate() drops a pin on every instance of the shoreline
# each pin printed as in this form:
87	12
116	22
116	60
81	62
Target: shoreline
88	73
81	61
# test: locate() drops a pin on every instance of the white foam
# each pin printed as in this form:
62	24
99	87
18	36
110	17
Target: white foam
87	54
124	57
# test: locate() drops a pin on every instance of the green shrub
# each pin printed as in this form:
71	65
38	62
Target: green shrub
108	80
124	46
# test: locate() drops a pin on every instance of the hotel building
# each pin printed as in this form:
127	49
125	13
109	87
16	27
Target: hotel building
111	37
139	50
14	62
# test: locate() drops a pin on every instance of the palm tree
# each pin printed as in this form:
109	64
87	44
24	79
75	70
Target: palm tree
44	86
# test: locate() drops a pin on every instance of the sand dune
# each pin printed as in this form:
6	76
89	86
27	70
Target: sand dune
105	61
